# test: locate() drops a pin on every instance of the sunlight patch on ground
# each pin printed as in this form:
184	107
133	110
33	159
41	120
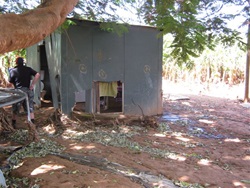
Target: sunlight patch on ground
125	129
78	147
177	157
246	158
90	147
18	165
45	168
160	135
177	134
100	182
183	139
184	178
237	140
239	184
246	105
211	110
206	121
186	103
204	162
49	129
69	133
6	144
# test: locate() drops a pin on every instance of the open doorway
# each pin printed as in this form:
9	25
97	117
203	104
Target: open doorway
45	93
109	97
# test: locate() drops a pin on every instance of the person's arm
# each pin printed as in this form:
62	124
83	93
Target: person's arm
10	76
10	83
34	81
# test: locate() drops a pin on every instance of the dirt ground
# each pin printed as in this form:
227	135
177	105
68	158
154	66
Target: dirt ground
201	140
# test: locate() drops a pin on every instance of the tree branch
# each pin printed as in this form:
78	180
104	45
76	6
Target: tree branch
23	30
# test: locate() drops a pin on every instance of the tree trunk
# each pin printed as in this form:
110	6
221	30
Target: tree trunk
246	97
24	30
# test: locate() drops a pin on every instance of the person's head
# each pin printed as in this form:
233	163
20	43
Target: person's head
19	61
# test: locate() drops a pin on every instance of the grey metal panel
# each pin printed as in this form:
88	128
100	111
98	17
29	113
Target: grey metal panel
52	45
63	76
89	54
159	88
32	60
79	46
142	71
108	56
76	64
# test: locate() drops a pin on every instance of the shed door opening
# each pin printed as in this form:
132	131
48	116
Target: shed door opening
109	97
46	96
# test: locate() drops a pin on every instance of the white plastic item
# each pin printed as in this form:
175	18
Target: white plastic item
2	180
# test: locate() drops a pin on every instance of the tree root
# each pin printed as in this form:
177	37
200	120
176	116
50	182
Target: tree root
33	135
103	164
55	121
5	125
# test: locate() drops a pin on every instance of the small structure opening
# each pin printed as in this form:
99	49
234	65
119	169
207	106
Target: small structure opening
45	87
109	97
80	101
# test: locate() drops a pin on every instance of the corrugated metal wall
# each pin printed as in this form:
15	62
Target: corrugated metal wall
33	60
77	66
142	70
89	54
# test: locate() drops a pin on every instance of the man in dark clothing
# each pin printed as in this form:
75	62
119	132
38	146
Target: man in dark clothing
20	77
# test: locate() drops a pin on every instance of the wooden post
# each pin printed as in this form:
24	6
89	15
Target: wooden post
97	94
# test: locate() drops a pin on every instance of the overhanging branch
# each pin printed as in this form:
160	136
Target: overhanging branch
24	30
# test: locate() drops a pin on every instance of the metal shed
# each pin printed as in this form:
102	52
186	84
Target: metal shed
101	70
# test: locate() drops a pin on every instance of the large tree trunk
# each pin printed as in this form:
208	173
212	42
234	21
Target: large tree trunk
23	30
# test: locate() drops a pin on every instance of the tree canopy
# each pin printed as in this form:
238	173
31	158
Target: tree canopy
194	24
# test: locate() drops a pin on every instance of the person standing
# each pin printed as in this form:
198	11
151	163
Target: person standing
21	76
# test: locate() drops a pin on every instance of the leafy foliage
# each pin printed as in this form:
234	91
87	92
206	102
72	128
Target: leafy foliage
8	59
224	64
194	24
113	27
65	25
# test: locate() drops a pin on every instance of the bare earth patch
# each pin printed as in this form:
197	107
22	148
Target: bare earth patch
202	140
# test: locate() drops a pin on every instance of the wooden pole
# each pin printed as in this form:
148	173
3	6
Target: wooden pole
246	97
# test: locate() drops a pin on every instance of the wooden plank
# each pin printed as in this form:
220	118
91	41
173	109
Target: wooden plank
97	94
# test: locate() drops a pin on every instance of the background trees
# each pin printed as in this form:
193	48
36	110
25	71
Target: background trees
223	64
200	25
